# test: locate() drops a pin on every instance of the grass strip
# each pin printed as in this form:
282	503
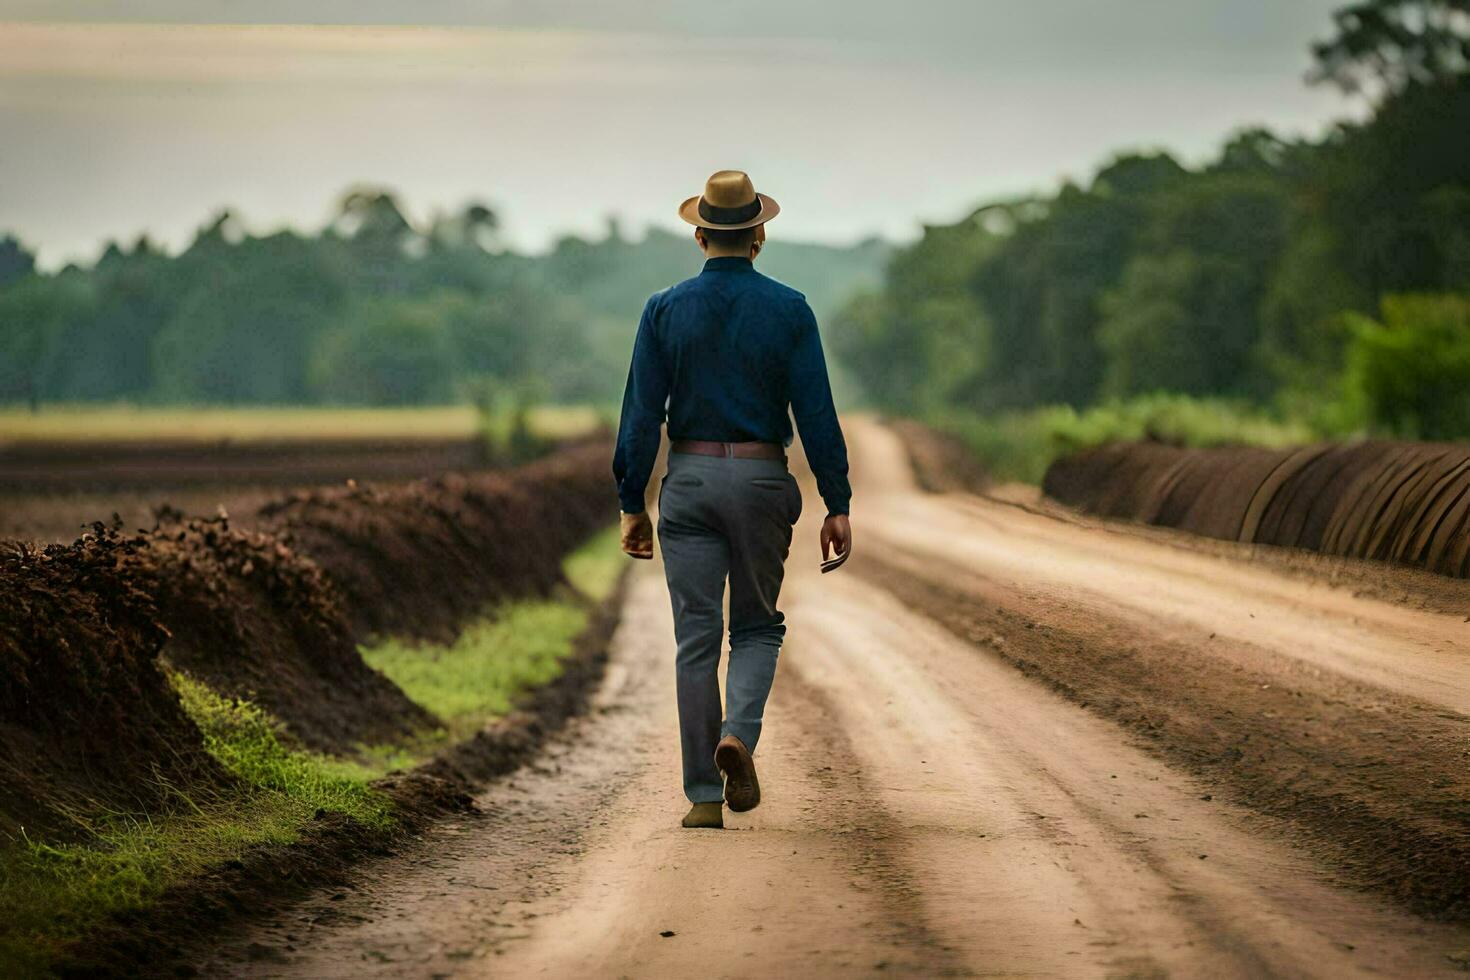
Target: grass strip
594	569
246	740
517	647
51	894
479	676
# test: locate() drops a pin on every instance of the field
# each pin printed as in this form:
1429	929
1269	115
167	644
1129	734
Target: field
64	467
128	423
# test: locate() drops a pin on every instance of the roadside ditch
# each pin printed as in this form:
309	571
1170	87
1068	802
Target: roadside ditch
203	719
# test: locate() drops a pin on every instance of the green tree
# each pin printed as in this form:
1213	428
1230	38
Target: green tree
1182	322
246	321
34	312
16	262
1390	46
888	359
1383	208
922	342
1186	315
1042	287
1410	372
378	239
108	355
386	352
469	233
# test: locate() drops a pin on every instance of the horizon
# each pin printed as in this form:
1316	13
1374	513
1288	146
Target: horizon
560	120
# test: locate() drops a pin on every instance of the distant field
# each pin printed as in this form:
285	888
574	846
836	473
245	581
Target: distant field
66	466
128	423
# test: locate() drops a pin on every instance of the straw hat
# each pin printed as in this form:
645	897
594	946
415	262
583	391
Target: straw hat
730	202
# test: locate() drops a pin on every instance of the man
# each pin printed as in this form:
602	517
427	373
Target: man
723	356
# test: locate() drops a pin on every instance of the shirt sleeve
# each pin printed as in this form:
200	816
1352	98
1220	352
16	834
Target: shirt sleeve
645	401
816	417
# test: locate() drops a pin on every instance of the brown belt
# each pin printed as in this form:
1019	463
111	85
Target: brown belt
738	450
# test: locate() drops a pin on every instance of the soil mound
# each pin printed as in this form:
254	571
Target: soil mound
86	715
255	619
418	560
1394	501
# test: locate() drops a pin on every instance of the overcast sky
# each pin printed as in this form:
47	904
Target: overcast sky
861	117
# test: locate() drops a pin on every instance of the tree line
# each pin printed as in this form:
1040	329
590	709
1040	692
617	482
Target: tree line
1327	280
372	309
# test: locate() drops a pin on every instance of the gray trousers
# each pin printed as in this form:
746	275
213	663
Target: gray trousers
722	518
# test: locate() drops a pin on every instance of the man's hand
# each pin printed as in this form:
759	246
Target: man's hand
637	532
836	535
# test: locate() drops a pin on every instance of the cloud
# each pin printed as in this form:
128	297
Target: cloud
1076	32
114	129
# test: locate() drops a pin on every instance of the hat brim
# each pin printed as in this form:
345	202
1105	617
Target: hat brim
689	211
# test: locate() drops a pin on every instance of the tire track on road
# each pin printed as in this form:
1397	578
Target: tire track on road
1379	783
1049	845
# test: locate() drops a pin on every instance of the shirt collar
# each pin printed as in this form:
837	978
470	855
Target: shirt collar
728	263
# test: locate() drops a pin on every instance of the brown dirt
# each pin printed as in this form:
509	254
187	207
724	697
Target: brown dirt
46	467
86	715
931	810
254	618
239	610
1391	501
1399	585
1390	810
417	560
50	492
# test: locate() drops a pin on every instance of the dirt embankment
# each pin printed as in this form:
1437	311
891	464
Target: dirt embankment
417	560
273	614
1394	501
85	712
256	618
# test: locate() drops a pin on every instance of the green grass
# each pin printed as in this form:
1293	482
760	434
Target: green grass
479	676
594	568
1021	445
246	741
516	647
513	649
51	894
117	423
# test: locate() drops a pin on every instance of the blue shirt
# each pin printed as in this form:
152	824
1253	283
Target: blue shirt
724	355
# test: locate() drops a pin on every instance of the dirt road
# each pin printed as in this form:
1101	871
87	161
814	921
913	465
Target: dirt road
1202	767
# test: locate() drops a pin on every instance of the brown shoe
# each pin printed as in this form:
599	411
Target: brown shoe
706	816
742	789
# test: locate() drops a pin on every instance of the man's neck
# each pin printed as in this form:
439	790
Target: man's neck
710	253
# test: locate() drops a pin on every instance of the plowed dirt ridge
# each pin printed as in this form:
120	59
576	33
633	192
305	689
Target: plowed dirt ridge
1000	743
